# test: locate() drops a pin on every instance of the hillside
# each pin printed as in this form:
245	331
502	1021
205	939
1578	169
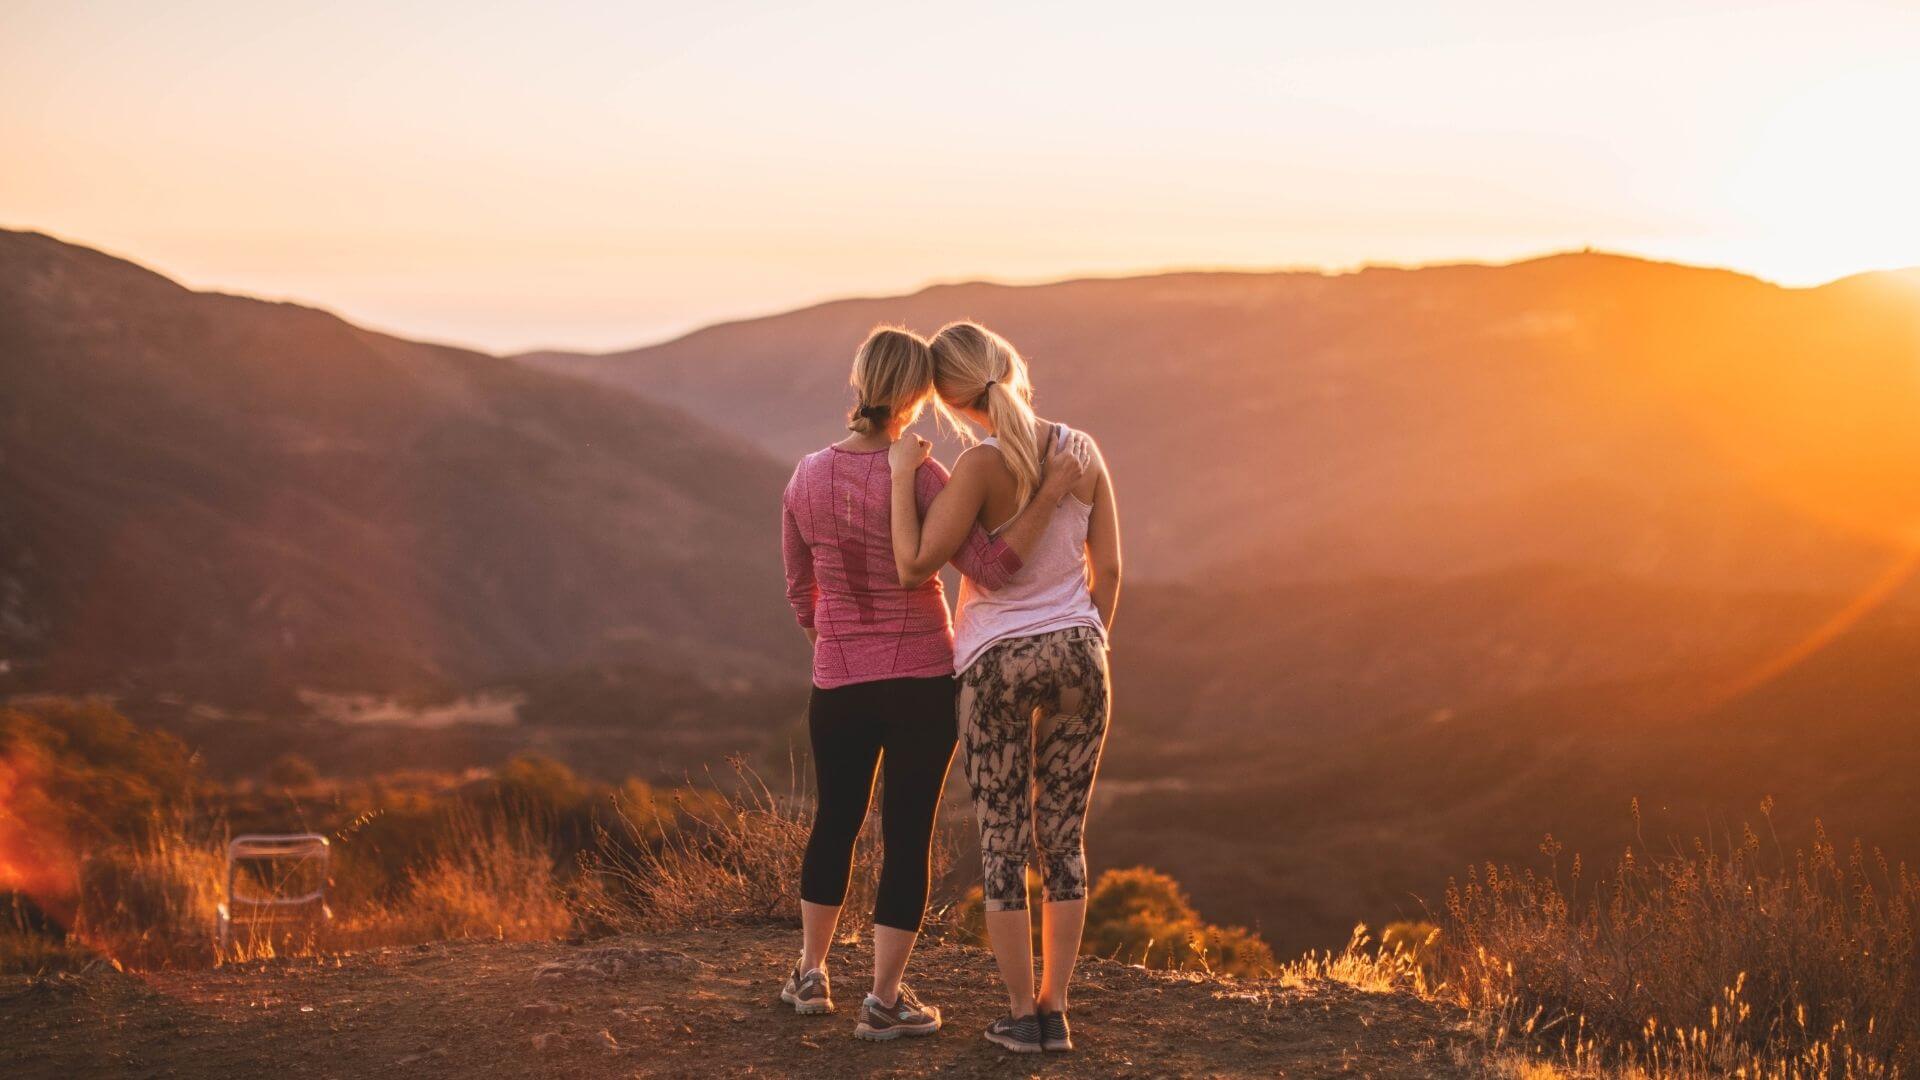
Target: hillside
1465	554
1690	425
1427	563
221	499
691	1005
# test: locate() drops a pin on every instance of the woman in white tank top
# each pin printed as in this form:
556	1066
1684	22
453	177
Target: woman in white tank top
1033	647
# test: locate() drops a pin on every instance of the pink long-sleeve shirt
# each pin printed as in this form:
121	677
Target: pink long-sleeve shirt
836	520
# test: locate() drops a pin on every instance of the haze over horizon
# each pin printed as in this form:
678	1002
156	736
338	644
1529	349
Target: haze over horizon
600	176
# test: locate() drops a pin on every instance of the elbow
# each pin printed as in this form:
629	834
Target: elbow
1107	573
913	574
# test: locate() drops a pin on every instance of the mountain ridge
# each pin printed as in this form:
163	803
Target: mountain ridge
1596	255
1526	406
392	515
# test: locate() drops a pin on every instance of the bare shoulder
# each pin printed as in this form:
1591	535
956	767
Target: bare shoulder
980	460
1086	449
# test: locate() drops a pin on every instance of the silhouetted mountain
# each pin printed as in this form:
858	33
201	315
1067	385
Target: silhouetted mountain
1694	426
234	499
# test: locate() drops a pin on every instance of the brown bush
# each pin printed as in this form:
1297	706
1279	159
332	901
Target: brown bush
726	853
1142	916
1712	959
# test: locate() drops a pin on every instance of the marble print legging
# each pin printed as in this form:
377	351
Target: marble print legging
1033	715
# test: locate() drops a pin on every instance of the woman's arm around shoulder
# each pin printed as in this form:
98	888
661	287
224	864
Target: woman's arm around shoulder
951	530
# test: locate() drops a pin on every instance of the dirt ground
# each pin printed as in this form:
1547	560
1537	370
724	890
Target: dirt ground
691	1005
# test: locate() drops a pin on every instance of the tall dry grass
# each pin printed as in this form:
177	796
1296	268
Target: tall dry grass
1728	956
153	901
489	874
730	854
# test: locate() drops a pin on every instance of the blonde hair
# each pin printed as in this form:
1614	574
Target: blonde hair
893	375
975	368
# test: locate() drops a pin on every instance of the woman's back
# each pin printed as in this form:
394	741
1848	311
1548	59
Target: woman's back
840	570
1048	593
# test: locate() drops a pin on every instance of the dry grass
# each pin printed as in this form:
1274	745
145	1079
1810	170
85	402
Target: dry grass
1387	967
1727	957
154	902
491	875
729	853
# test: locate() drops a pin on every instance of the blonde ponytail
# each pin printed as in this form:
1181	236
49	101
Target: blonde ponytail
892	376
975	368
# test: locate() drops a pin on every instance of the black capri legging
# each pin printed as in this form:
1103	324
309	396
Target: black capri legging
908	727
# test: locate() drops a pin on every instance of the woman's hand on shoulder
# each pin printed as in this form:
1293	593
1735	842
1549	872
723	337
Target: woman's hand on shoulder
1064	468
907	452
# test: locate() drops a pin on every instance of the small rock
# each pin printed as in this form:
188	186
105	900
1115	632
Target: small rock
607	1040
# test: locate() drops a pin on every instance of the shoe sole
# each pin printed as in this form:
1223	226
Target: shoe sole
862	1031
1006	1042
1057	1048
805	1008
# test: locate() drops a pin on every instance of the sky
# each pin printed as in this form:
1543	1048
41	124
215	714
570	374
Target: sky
523	175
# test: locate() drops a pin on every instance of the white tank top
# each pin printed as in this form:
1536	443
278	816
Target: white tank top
1049	593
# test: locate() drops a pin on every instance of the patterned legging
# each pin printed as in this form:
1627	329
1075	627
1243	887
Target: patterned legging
1032	781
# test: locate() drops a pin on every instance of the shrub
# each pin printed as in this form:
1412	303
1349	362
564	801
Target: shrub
716	855
153	901
492	876
1715	958
1143	916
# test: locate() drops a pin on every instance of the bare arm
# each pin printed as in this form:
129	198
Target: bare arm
921	549
1103	547
988	560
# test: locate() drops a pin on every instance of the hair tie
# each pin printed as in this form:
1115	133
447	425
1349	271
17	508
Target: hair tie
876	413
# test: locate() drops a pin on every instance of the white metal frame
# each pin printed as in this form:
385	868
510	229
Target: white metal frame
268	848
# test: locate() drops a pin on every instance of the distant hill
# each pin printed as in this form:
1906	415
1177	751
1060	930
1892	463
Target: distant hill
236	499
1695	426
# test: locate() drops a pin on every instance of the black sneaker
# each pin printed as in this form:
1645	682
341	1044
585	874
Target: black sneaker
1054	1032
906	1016
808	992
1020	1035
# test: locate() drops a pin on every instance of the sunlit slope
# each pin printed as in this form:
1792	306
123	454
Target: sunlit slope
232	497
1693	425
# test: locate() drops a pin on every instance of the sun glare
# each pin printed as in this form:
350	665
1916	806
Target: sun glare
1828	188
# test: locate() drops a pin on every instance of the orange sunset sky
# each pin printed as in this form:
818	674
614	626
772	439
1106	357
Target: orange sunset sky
514	175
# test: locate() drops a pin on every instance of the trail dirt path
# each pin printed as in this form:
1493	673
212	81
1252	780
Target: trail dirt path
690	1005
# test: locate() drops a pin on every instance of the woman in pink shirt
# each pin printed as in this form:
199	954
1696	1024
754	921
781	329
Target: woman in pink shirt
883	685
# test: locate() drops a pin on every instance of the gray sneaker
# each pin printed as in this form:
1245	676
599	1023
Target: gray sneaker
1021	1035
1055	1034
808	992
906	1016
